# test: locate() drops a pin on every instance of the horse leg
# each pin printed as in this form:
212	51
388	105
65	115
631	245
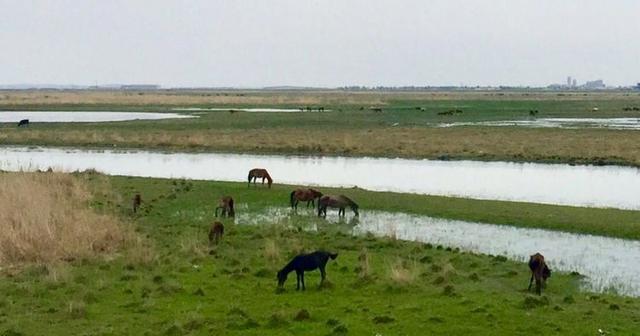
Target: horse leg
538	285
217	211
323	275
530	281
297	280
295	205
302	278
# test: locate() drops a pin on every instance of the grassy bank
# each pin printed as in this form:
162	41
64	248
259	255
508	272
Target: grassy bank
376	286
405	128
593	146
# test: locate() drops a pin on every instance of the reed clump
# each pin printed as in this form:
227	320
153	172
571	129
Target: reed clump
46	218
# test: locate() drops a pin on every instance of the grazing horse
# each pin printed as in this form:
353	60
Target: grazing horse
23	122
305	262
216	232
340	202
259	172
309	195
137	201
539	271
226	204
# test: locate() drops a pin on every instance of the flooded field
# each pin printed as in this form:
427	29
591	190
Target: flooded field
84	116
611	123
608	264
593	186
243	109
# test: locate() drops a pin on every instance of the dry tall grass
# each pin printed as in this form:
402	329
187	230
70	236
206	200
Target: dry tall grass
271	251
520	144
402	273
252	98
45	217
364	266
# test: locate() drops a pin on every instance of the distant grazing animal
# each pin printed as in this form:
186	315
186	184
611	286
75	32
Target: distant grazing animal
376	109
226	204
23	122
340	202
257	173
305	262
450	112
216	232
301	109
533	112
304	194
321	109
137	201
539	271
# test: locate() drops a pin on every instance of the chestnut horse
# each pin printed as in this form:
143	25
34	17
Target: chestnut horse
309	195
216	232
539	271
340	202
226	204
259	173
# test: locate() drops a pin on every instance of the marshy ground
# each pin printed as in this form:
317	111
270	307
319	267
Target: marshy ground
406	126
170	281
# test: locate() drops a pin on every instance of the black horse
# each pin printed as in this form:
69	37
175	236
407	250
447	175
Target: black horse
305	262
23	122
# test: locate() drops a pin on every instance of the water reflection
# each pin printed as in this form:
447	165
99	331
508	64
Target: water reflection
608	264
85	116
596	186
612	123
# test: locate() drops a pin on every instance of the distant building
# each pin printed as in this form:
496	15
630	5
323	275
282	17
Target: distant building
140	87
569	81
596	84
574	83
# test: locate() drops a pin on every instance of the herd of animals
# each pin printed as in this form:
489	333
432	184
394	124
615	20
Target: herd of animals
540	272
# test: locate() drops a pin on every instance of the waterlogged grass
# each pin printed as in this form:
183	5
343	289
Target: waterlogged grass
404	128
376	286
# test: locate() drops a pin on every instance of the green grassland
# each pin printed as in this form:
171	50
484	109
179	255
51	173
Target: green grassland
189	287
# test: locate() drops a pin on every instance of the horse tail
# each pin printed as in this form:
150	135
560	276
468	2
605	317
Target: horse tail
333	256
232	212
293	193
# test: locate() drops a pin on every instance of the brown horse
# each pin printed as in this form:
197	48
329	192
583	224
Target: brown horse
304	194
226	204
216	232
539	271
259	173
340	202
137	201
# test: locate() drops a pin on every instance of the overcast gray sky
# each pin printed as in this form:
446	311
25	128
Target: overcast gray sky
320	42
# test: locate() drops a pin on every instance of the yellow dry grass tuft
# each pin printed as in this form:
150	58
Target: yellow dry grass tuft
402	273
45	218
271	251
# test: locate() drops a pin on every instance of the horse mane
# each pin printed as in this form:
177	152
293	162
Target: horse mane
266	173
